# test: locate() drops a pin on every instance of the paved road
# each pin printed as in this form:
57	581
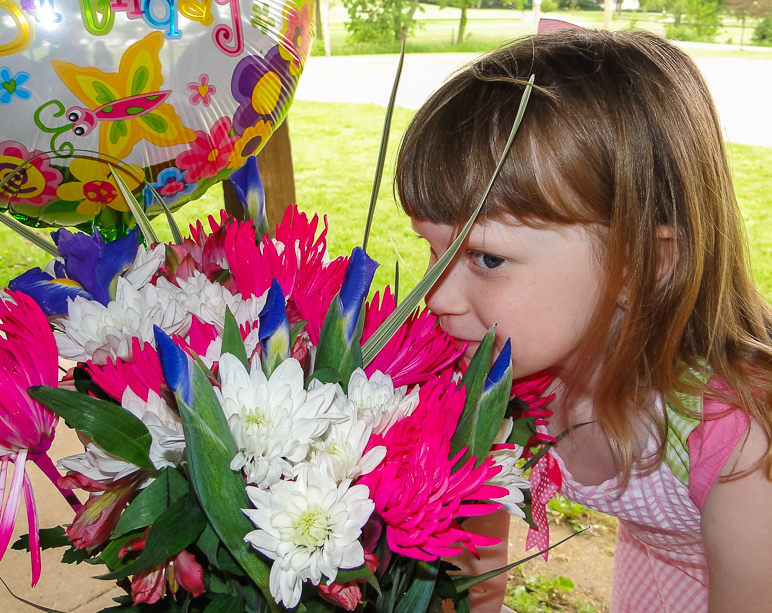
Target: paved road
742	88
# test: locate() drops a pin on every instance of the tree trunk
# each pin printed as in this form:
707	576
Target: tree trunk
278	175
462	26
318	19
742	32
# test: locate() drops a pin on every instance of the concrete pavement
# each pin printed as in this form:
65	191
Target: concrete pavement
742	88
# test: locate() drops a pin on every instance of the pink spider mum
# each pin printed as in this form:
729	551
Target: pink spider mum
531	391
416	352
27	357
418	490
142	374
297	259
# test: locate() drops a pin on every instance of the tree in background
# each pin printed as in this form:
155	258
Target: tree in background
463	5
380	20
744	9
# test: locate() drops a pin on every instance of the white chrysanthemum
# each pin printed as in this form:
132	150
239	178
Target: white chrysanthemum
168	445
274	421
145	265
510	477
377	401
310	527
96	332
206	300
166	449
340	451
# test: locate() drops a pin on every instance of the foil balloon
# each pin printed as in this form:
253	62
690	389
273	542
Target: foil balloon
168	94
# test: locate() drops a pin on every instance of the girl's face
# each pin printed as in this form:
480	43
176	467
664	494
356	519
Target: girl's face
540	286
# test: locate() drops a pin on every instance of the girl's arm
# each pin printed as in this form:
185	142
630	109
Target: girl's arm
488	596
737	531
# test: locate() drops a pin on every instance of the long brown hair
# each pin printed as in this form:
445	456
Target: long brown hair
620	131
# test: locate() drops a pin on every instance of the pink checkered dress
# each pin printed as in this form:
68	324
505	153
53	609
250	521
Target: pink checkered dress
659	564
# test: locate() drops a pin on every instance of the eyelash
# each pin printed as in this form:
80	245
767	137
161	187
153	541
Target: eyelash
478	257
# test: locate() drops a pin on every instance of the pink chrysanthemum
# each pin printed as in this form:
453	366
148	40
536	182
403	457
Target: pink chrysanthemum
416	352
27	357
416	491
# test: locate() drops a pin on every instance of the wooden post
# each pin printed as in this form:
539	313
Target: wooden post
278	175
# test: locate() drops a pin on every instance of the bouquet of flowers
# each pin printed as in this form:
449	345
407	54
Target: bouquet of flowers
253	439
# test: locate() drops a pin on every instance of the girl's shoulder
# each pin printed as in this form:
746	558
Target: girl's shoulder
701	434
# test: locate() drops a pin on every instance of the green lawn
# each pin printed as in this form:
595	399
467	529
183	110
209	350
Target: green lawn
334	150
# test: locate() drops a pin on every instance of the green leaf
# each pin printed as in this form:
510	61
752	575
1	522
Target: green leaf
137	210
231	339
172	223
382	150
474	380
28	233
110	555
295	332
208	543
219	489
173	531
358	574
110	426
225	603
417	598
392	323
50	538
332	351
152	501
522	430
464	582
324	375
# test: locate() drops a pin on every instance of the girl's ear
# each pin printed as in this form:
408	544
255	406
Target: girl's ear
667	248
667	258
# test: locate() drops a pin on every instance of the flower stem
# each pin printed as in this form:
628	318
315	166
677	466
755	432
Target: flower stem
49	470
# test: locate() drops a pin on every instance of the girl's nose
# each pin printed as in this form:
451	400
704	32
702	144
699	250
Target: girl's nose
447	295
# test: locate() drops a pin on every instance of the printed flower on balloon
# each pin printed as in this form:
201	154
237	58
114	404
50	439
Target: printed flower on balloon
239	450
36	184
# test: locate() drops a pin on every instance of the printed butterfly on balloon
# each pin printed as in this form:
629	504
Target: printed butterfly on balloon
128	105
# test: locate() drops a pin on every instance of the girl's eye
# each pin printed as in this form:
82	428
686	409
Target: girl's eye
486	260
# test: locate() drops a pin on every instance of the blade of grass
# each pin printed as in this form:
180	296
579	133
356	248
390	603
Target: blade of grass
139	214
27	233
389	327
382	151
173	227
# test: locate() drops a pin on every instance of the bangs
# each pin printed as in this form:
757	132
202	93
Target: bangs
553	173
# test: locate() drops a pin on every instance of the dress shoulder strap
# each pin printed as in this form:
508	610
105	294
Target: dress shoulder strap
679	427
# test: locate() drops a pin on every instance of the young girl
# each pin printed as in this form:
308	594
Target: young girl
611	251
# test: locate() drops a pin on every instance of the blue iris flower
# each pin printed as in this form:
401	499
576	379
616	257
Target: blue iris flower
90	268
249	189
356	283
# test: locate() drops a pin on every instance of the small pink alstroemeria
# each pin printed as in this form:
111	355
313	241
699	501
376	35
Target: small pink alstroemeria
182	570
95	520
28	357
419	349
347	595
415	489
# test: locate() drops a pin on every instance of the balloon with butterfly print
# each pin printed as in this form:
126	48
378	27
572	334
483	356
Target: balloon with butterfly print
173	94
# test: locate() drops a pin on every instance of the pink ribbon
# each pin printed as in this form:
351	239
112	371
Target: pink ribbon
545	482
548	26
